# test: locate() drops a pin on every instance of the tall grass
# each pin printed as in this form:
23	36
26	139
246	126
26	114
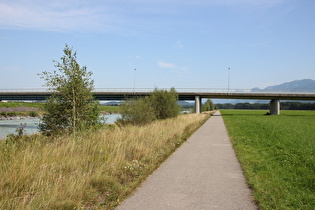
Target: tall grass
91	170
277	155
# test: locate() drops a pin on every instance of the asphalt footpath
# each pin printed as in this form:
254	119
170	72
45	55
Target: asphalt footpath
203	173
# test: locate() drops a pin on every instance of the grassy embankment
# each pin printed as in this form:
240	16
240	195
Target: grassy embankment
34	109
277	155
20	104
10	109
96	169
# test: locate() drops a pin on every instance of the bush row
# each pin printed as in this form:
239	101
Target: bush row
13	114
160	104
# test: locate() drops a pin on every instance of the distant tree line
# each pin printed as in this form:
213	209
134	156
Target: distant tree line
283	105
297	106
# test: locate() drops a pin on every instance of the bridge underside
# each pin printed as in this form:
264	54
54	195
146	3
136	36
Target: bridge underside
196	96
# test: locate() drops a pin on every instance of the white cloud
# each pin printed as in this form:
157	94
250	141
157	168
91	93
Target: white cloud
51	15
166	65
97	15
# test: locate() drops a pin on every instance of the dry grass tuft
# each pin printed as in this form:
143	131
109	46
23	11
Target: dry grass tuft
92	170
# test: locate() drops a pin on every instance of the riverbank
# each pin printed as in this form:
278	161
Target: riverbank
8	125
92	170
18	118
19	109
12	112
18	113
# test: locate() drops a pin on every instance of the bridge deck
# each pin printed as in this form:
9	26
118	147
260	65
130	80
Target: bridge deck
184	94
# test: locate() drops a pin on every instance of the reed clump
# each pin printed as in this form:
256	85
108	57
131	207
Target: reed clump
92	170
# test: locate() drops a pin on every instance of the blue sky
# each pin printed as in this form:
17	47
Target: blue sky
171	43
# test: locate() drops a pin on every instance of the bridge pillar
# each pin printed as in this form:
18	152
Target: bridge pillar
275	107
197	104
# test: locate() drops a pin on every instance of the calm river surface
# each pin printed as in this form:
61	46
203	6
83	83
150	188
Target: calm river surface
9	126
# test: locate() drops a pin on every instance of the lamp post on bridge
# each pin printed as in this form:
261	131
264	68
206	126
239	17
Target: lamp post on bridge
229	71
134	81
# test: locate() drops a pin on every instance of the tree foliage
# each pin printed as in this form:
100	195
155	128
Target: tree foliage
164	103
209	106
137	111
71	107
284	106
161	104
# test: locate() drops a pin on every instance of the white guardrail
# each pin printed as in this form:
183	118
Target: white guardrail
179	90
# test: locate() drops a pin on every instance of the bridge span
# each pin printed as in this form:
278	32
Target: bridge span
195	94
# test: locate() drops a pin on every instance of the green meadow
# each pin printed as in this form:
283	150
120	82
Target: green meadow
110	109
277	155
21	104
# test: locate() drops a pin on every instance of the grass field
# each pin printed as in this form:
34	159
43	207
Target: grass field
110	109
20	104
94	170
277	155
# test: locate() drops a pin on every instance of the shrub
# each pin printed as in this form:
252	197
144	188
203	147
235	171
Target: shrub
10	114
165	103
209	106
33	114
161	104
137	112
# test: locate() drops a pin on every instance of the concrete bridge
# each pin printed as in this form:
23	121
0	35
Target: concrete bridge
195	94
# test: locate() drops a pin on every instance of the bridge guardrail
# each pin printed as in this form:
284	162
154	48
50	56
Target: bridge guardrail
179	90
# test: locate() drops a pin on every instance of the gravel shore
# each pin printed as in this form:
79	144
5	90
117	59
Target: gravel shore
18	109
18	117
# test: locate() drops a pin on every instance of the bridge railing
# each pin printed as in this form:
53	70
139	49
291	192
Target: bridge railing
224	90
31	90
206	90
179	90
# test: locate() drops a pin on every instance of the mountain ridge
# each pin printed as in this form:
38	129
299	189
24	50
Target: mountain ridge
304	84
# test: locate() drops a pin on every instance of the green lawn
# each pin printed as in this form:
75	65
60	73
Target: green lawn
21	104
115	109
277	155
40	105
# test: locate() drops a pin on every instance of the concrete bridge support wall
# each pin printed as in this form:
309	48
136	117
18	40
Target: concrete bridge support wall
197	104
275	107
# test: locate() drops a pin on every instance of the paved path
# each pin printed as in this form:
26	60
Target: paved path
202	174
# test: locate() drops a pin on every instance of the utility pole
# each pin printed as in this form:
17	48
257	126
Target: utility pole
229	71
134	81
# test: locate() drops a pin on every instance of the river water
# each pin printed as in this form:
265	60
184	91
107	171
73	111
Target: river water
9	126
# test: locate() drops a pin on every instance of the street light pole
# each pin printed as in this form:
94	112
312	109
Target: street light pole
134	81
229	71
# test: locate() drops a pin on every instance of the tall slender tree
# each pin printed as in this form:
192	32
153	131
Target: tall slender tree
71	107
